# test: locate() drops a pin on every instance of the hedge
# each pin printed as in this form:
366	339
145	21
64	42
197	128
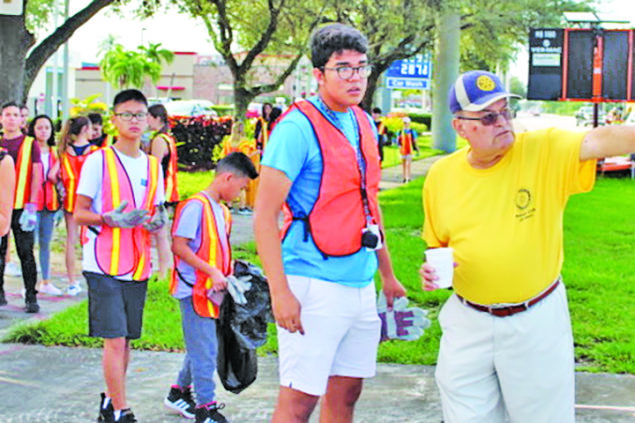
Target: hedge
196	138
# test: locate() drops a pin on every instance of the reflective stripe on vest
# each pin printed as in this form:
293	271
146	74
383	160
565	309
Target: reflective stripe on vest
23	174
337	218
170	181
263	136
49	199
119	251
405	143
71	168
210	251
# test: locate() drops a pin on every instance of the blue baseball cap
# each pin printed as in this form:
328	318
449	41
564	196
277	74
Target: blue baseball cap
475	90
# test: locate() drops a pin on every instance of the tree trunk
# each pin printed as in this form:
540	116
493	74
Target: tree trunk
242	98
371	87
19	71
16	41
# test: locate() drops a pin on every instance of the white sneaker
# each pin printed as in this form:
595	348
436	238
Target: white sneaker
74	289
13	269
23	293
50	289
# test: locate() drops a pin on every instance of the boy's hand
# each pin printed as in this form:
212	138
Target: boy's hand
117	218
157	221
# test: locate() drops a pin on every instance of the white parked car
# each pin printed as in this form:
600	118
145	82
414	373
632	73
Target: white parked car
190	108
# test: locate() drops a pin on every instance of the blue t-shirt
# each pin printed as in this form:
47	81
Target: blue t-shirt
189	227
294	150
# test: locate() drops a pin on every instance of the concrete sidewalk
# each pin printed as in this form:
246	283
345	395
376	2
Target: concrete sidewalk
58	384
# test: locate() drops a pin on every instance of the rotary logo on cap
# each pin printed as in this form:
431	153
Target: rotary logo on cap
485	83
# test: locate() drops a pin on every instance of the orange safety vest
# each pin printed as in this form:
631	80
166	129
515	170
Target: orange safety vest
23	174
71	168
119	251
337	218
170	180
210	251
49	200
405	143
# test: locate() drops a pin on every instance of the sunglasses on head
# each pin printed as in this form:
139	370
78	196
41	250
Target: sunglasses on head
491	117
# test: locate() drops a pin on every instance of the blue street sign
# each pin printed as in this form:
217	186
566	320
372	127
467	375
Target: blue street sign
418	67
412	83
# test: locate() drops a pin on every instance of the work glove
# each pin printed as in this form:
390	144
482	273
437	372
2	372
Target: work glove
407	324
157	221
237	288
61	191
117	218
28	219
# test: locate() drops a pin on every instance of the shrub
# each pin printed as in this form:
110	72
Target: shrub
224	109
424	118
196	138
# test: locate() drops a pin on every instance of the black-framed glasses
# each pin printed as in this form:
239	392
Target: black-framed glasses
347	72
492	117
127	116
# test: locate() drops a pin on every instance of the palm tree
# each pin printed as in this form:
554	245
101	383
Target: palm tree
156	54
127	68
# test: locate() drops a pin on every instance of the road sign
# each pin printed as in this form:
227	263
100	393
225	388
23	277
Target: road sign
11	7
410	73
408	83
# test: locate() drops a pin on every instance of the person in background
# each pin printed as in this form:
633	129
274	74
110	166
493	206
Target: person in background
407	140
203	224
7	176
163	147
97	137
120	201
382	131
321	274
73	148
262	131
24	118
506	351
41	128
25	153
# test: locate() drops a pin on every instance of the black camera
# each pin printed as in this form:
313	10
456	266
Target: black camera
371	237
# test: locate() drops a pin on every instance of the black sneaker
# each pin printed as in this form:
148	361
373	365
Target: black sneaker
126	417
106	412
210	414
180	400
31	307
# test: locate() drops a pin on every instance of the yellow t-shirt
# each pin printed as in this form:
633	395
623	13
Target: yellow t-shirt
505	223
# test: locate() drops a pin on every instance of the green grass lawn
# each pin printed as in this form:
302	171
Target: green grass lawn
598	271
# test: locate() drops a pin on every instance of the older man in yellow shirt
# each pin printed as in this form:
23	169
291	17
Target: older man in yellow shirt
507	348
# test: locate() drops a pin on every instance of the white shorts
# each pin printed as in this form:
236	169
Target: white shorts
517	368
341	335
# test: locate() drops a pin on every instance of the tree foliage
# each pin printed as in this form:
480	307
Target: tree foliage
130	68
244	32
20	58
396	30
493	30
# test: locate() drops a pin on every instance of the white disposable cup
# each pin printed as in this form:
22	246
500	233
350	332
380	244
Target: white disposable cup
442	259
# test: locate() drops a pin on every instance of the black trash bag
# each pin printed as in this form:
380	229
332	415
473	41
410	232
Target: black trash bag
241	329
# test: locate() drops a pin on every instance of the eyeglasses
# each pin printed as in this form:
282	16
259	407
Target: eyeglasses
127	116
492	117
347	72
